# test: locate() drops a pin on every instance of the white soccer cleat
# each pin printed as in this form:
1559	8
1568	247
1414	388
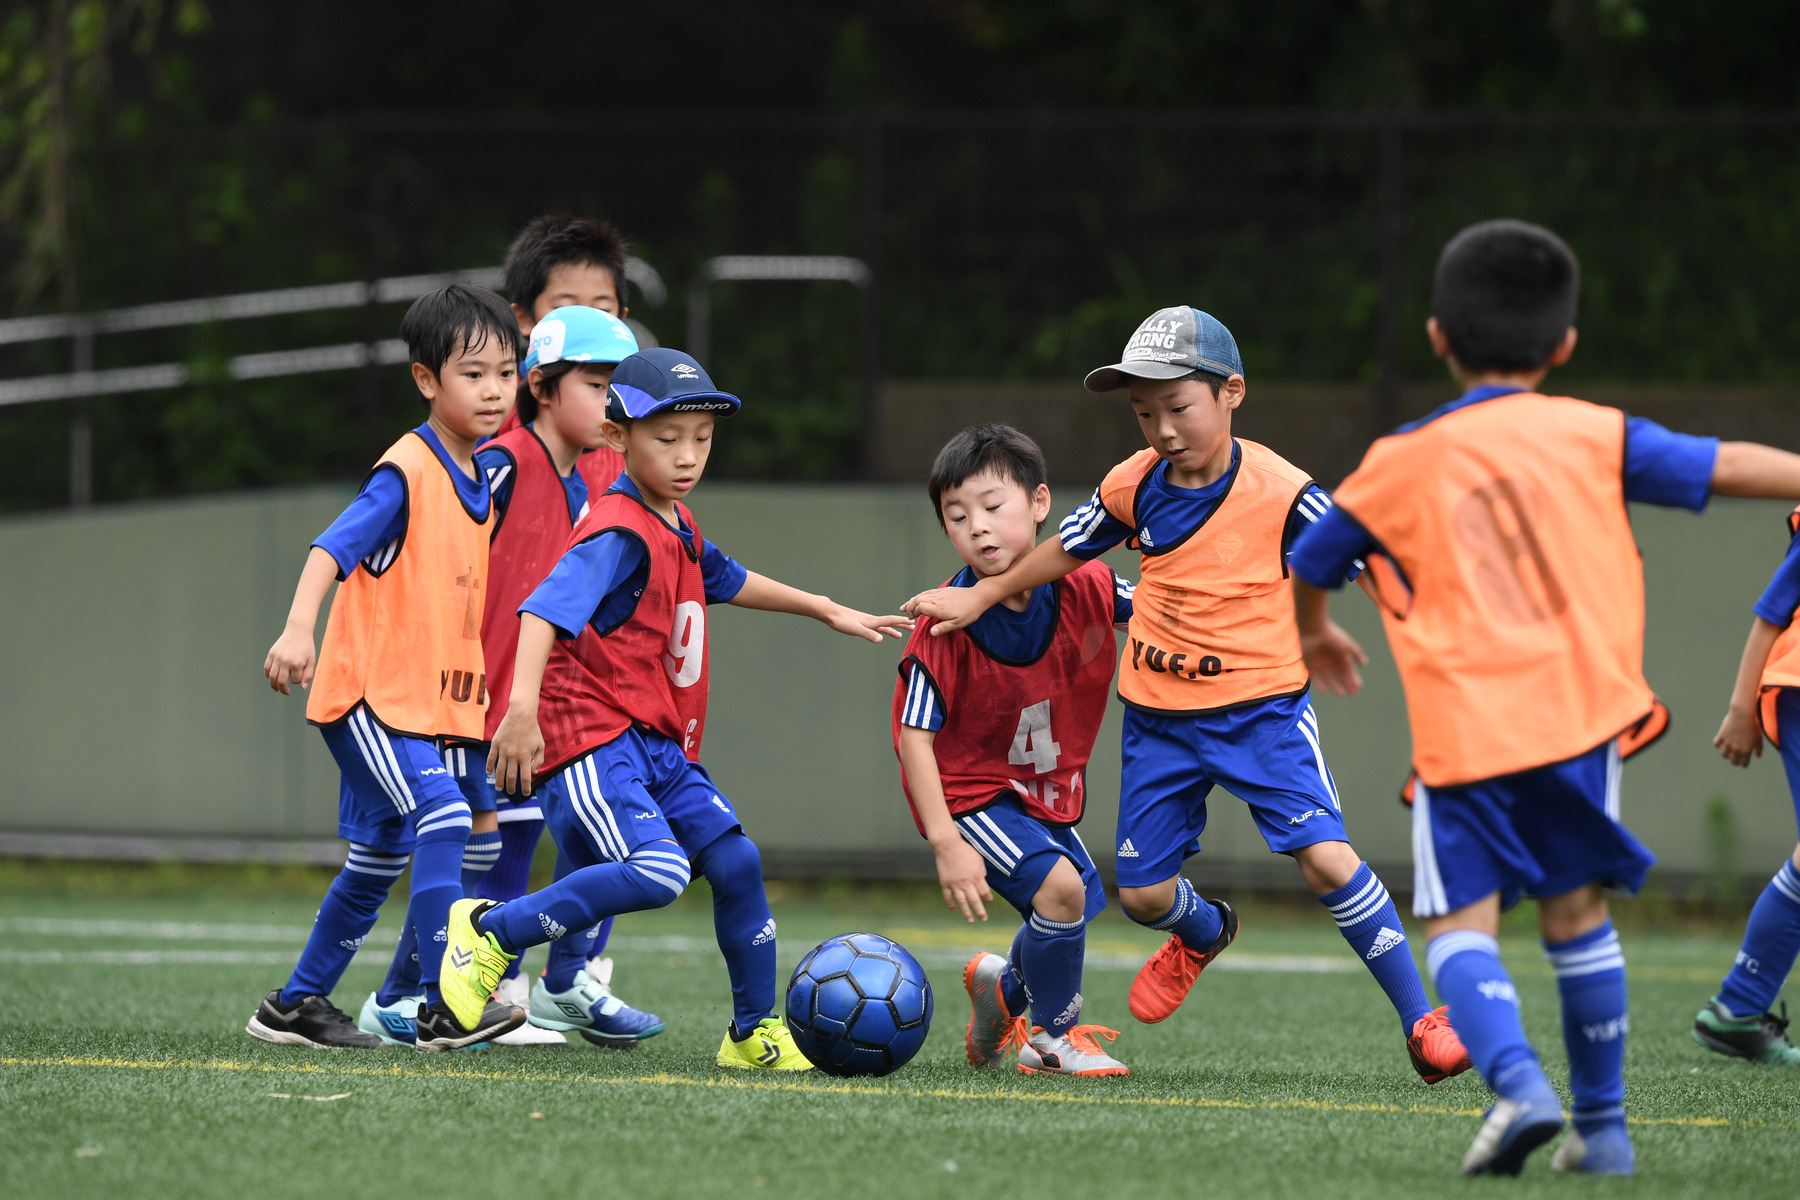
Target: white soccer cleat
1074	1053
517	992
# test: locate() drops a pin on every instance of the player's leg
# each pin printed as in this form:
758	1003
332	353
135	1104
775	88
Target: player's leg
468	767
1590	978
1162	812
521	826
1738	1021
566	997
1465	852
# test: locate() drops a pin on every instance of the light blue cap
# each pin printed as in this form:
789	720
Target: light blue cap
1171	343
579	334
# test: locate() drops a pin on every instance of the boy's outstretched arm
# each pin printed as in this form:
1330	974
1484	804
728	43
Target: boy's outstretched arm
1332	655
293	657
761	592
956	608
962	873
518	749
1741	734
1755	470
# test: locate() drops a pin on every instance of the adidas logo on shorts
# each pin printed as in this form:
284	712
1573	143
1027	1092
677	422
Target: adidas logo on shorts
767	934
1385	939
1127	850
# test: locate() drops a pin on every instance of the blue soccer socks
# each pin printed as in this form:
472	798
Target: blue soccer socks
1012	980
1590	976
1051	957
654	875
743	924
1191	918
569	957
403	973
440	833
1366	916
345	917
1771	940
1484	1008
479	856
510	877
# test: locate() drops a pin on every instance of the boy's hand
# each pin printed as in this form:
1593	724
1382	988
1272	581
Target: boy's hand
962	873
1332	656
290	660
862	625
1740	737
517	753
953	608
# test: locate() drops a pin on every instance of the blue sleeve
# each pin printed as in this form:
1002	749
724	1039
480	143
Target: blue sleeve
1331	550
1123	592
1314	502
1091	530
1782	596
924	707
369	531
497	465
587	580
1671	469
721	574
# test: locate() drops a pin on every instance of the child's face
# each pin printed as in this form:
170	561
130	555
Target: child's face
665	454
1182	420
474	390
589	285
992	521
576	402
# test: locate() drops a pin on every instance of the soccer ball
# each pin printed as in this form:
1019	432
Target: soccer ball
859	1004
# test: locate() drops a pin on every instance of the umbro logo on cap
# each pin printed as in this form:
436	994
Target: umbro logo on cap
685	371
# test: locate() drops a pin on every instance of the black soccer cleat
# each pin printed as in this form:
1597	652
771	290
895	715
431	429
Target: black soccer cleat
1760	1038
439	1030
310	1021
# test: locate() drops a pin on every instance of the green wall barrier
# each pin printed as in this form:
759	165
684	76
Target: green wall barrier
134	701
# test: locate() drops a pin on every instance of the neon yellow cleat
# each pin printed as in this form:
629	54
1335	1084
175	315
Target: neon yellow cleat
770	1047
473	964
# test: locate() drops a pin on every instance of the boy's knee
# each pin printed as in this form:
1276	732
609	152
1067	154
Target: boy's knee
660	869
449	821
1147	904
1062	897
731	862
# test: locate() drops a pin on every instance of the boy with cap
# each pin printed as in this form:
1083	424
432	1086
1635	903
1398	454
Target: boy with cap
1212	679
1496	532
401	676
538	498
614	643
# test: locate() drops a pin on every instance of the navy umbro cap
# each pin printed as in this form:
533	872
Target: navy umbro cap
664	380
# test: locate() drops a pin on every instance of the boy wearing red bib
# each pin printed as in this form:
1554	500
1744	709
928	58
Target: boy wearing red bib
614	643
1512	594
993	727
401	675
1214	687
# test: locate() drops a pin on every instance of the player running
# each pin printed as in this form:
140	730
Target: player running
1213	683
993	726
1513	597
614	642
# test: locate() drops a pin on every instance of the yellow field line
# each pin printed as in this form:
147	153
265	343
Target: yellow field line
664	1080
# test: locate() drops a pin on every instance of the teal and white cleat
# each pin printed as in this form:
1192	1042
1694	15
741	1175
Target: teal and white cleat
590	1009
396	1024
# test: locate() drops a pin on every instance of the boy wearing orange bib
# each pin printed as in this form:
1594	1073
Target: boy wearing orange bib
1212	679
1497	535
401	676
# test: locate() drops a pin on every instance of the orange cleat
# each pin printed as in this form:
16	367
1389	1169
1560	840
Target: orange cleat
1164	982
1437	1053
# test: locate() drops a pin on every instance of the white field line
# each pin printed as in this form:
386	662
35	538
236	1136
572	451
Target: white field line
937	957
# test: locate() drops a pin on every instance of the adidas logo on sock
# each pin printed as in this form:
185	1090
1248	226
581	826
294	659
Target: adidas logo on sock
1127	850
1385	939
767	934
1070	1013
552	926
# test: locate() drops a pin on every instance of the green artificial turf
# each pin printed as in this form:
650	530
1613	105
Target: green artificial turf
122	1077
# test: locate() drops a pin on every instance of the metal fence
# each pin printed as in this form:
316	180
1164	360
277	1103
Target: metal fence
1001	246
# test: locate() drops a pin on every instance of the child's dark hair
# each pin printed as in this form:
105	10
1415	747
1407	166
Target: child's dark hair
997	448
552	241
443	323
1504	295
527	403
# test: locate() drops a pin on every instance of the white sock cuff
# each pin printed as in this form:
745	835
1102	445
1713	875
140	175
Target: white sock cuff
1445	946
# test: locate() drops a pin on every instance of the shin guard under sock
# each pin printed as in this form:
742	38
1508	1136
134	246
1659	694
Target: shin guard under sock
441	832
345	917
1053	952
1590	976
743	924
1484	1008
1366	916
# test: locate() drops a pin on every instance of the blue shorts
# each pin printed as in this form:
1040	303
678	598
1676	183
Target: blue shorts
1268	755
1787	724
468	766
1540	832
637	788
383	780
1020	851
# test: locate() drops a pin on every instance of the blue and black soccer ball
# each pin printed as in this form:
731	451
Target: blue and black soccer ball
859	1004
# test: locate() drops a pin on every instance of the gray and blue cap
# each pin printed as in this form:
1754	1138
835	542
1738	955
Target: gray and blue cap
662	379
1171	342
